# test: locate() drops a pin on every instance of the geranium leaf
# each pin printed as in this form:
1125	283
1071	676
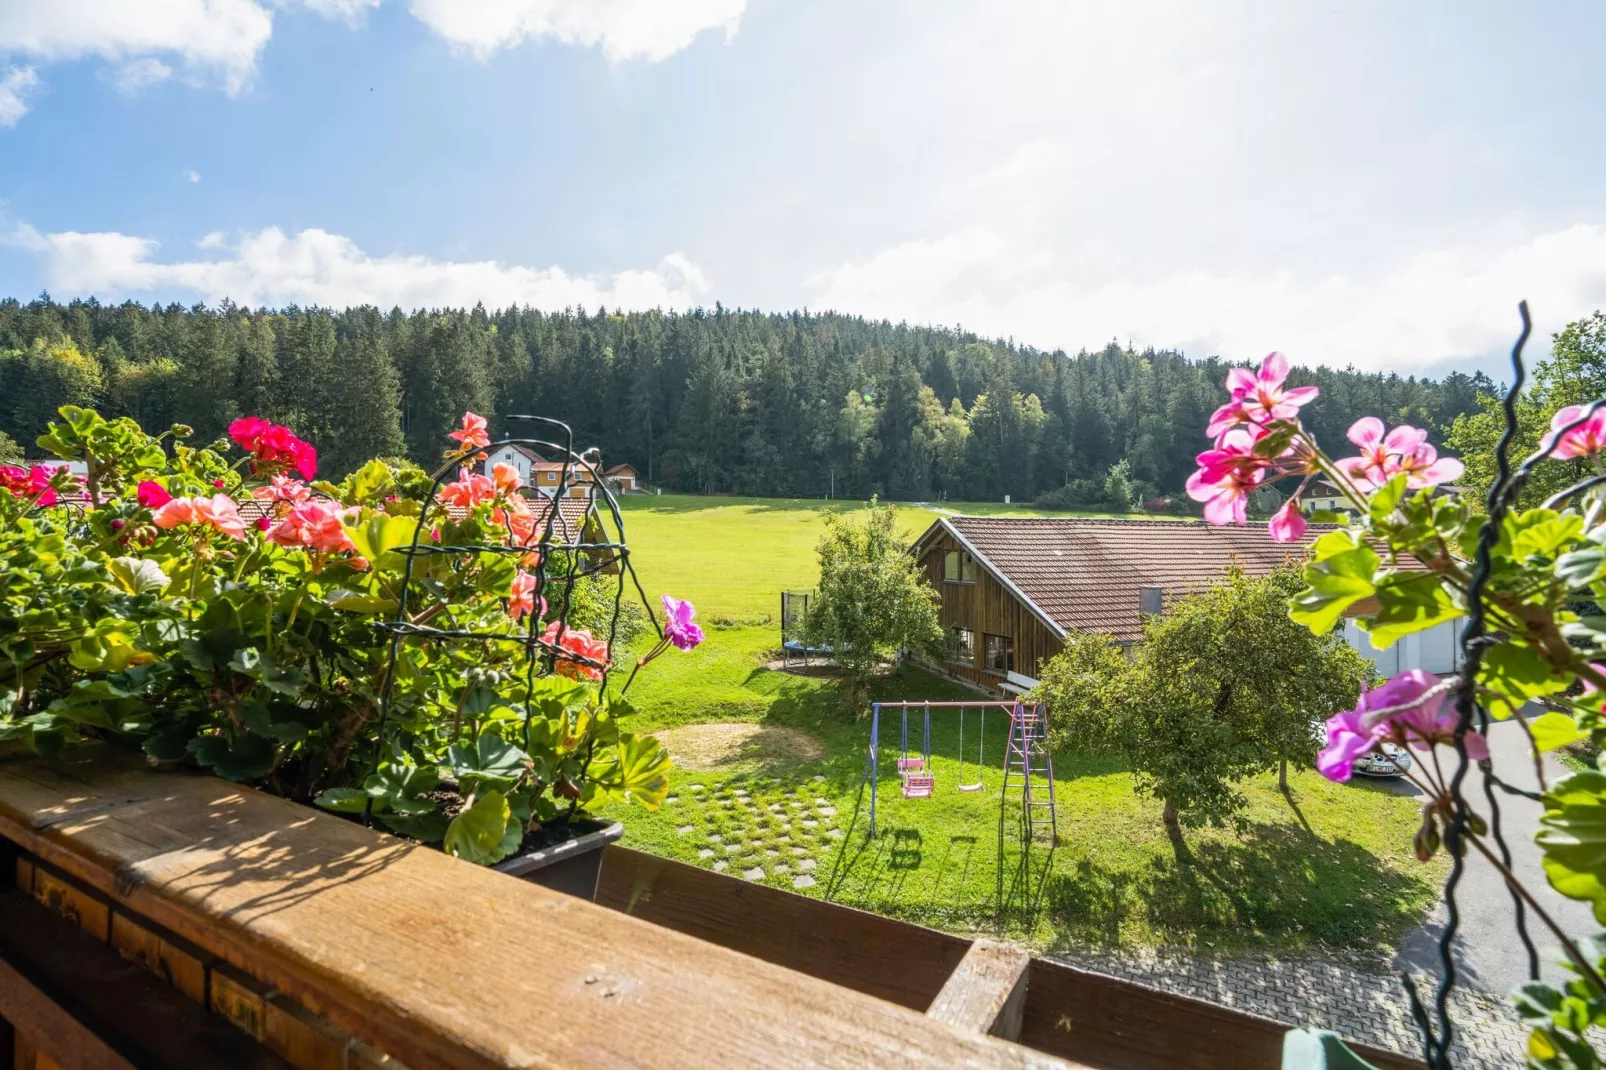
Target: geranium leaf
1572	835
477	832
137	575
1552	730
344	800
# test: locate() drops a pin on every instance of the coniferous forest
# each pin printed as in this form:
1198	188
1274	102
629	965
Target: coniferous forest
708	401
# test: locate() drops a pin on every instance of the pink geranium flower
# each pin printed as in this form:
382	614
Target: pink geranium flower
521	597
153	495
176	512
220	512
1225	477
1585	440
472	435
1347	739
283	489
579	655
273	444
1420	720
1404	449
1288	523
32	483
314	525
678	626
470	489
216	512
247	431
1259	397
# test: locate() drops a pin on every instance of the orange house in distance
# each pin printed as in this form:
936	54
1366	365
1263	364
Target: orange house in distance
543	476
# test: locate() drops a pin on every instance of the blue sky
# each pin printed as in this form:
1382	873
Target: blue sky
1374	185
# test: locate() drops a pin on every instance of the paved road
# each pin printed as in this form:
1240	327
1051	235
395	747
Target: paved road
1487	953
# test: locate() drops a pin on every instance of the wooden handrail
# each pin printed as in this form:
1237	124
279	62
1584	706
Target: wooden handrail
437	962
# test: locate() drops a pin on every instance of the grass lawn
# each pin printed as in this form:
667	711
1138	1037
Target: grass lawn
775	793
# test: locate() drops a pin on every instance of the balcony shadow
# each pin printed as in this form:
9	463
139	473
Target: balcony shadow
308	855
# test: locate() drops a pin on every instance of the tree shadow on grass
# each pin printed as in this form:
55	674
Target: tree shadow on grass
1275	885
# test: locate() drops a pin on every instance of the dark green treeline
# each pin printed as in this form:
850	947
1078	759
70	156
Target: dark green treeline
711	401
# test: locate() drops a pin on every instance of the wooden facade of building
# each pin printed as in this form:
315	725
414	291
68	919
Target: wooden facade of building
990	631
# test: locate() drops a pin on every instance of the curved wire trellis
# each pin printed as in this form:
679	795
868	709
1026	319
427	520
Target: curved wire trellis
1476	641
581	558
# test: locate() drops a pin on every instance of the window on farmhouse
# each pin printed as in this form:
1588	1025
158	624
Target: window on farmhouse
962	645
1000	654
958	567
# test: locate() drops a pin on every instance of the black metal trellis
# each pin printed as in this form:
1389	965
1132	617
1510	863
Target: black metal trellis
1503	494
583	558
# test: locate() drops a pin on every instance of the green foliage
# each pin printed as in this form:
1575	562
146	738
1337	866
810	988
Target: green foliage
1560	1018
1224	685
1574	374
263	664
712	401
872	599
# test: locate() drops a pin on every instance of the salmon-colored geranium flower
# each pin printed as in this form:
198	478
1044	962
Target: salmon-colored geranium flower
579	655
313	525
472	435
470	489
521	597
506	477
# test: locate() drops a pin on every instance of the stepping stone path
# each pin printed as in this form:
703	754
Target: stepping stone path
810	823
772	852
803	881
721	866
706	852
835	834
806	865
714	837
781	867
754	874
696	787
672	799
732	848
827	811
800	851
819	777
682	830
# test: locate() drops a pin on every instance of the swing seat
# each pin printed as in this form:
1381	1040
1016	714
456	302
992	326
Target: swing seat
972	787
918	785
907	764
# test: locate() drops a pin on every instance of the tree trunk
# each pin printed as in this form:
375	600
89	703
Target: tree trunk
1173	831
1282	774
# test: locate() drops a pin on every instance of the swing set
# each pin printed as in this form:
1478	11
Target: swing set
1025	754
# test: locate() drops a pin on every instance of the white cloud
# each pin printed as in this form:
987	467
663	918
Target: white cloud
15	85
1455	304
315	267
221	36
137	74
625	29
348	11
193	176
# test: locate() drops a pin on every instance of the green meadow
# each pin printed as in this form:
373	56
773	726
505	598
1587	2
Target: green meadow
769	786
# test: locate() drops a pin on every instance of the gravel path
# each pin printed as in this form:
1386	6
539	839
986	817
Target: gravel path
1353	1002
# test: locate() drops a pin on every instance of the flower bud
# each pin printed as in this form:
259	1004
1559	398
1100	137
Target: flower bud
1427	837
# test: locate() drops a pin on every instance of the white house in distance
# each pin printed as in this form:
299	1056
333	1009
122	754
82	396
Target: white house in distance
1322	495
543	476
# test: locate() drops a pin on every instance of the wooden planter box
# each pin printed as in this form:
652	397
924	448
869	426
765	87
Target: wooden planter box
174	920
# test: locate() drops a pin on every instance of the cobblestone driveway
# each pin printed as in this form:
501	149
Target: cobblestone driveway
1353	1002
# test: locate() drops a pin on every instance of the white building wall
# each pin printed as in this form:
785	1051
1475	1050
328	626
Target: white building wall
1438	650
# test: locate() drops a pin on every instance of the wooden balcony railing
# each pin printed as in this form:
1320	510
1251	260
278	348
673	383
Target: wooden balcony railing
176	920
